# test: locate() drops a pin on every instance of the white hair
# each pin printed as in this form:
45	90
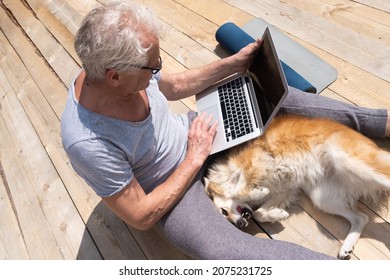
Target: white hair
110	38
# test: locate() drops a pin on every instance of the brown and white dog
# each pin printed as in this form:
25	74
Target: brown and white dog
331	163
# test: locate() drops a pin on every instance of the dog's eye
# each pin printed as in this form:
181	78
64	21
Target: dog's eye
224	212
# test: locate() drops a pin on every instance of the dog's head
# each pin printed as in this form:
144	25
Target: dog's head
238	213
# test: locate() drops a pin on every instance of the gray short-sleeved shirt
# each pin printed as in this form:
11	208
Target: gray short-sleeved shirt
108	153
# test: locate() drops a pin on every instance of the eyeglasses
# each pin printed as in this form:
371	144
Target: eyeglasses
152	69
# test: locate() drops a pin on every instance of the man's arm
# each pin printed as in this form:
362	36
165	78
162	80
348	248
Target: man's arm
141	210
193	81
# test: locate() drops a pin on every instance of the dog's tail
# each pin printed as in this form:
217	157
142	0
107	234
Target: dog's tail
366	165
381	167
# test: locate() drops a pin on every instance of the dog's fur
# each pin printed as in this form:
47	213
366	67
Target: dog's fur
331	163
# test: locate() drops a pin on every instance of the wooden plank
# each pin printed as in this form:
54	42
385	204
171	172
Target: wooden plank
48	46
38	235
354	16
195	38
374	14
372	244
217	11
70	12
178	107
114	240
156	246
300	228
49	84
358	86
368	54
54	201
184	20
383	5
12	244
56	28
353	84
45	180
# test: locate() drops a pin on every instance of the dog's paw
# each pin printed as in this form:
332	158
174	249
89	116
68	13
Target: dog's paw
254	194
259	193
345	253
270	215
283	214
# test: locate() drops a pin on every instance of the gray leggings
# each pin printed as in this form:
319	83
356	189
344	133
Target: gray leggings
196	228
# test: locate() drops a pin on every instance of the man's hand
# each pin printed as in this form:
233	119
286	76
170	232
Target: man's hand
200	138
243	58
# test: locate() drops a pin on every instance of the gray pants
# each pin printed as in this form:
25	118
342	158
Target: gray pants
195	226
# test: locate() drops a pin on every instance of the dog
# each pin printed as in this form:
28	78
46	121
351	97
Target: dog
332	164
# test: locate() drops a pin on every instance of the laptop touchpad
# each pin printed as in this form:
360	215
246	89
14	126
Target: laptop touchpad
213	110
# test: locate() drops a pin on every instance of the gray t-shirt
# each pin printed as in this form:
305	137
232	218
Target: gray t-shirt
108	153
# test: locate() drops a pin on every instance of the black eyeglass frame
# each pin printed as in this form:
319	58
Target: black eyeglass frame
153	70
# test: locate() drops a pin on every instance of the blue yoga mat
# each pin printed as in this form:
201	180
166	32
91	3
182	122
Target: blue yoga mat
233	38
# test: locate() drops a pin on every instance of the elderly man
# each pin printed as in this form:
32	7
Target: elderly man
146	162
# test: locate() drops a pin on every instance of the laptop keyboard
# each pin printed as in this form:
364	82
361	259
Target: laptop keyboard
235	110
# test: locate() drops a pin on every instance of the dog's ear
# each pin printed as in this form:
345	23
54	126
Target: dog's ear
206	183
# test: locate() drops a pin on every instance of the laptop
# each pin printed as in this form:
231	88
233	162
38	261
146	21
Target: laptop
245	104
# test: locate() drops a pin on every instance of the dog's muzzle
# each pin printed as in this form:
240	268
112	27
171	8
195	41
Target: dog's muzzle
246	214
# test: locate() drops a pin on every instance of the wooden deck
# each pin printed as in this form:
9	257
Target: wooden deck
48	212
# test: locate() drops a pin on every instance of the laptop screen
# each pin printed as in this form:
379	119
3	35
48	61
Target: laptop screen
268	78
